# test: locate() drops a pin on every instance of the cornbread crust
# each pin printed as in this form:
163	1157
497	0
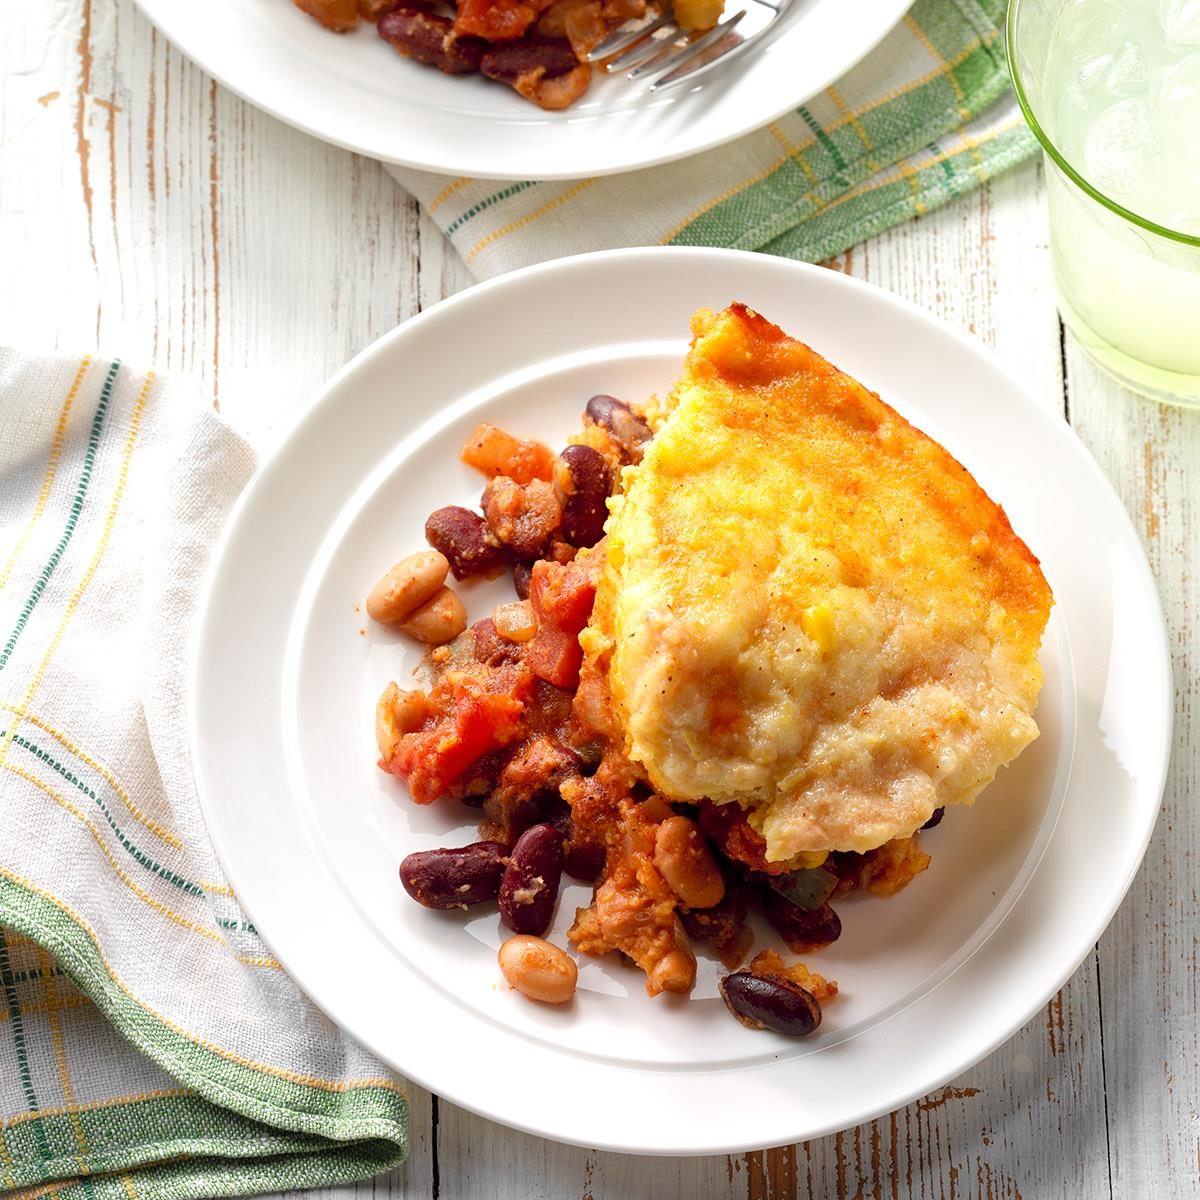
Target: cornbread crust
808	606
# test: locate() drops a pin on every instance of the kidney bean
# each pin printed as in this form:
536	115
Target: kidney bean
455	878
723	927
583	854
429	38
582	483
544	70
775	1004
935	819
628	430
584	860
522	577
508	61
461	536
538	969
802	929
529	887
406	586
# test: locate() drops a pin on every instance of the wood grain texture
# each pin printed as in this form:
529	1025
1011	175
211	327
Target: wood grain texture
147	212
1149	973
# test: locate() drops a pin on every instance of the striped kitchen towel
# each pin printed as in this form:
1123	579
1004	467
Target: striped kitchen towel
149	1044
926	116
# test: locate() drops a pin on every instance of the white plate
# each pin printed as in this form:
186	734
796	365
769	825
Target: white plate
310	832
354	90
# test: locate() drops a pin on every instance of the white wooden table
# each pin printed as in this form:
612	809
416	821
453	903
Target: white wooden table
146	211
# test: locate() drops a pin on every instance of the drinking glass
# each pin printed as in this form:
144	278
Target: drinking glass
1111	89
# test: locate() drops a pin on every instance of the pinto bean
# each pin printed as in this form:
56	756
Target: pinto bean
461	536
538	969
455	878
408	585
554	93
684	860
530	884
438	621
582	483
775	1003
675	971
430	39
396	714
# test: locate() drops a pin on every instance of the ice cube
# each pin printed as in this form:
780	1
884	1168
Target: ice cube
1179	93
1088	29
1180	21
1122	149
1178	109
1093	70
1127	74
1073	117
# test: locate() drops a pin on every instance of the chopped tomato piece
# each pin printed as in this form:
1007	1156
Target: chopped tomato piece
475	723
562	595
490	450
496	20
564	592
555	656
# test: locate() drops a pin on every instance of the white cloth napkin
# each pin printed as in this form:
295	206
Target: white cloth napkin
925	117
114	913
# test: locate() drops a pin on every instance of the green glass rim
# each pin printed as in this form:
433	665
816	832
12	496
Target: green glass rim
1056	155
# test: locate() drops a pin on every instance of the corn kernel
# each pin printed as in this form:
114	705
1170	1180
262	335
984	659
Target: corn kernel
817	623
806	860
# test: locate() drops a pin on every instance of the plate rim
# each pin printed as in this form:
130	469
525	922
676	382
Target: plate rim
168	18
326	397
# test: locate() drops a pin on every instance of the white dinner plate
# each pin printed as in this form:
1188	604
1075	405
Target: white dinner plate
310	832
354	90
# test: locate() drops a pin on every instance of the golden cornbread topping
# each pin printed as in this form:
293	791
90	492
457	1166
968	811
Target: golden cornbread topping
808	607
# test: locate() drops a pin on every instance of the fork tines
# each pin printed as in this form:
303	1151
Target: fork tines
659	51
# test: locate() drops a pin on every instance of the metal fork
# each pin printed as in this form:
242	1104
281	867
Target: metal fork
658	50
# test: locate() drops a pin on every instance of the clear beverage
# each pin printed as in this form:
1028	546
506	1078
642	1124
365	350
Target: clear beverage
1112	89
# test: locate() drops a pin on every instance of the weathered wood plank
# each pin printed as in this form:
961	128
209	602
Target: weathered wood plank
1148	957
152	213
